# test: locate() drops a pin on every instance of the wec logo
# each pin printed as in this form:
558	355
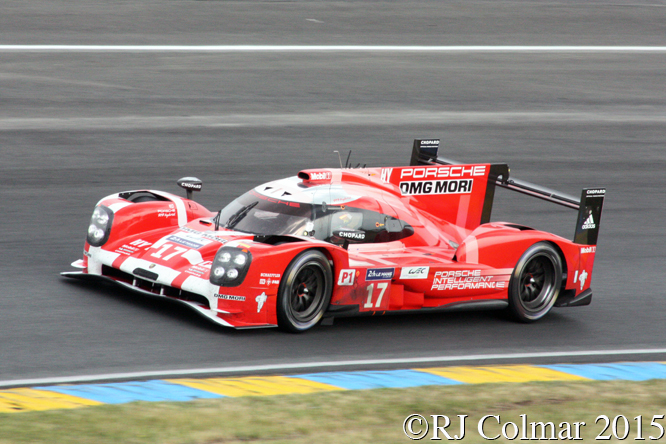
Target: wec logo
414	272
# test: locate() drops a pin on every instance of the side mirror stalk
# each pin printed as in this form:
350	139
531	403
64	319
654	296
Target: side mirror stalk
190	184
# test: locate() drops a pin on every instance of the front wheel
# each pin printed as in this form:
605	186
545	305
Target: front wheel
305	292
535	282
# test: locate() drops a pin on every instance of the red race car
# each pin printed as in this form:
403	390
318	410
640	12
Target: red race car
337	242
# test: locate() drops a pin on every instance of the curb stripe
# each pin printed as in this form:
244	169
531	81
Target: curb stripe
74	396
27	399
378	379
605	372
255	386
509	373
122	392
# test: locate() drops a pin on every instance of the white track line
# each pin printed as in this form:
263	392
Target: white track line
337	118
322	48
324	364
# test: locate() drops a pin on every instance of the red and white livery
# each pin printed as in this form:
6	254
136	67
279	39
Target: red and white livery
338	242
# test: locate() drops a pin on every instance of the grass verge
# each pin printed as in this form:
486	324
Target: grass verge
368	416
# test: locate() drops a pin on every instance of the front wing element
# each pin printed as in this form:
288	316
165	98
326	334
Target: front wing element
210	314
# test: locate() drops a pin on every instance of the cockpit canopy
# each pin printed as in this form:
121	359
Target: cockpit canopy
325	212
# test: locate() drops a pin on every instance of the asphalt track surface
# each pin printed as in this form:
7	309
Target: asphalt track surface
76	126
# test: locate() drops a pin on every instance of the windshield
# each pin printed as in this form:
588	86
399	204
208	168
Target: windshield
262	215
257	214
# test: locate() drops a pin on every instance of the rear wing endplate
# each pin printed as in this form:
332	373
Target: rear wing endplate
425	152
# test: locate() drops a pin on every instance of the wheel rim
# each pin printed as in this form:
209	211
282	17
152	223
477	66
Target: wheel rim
537	282
306	293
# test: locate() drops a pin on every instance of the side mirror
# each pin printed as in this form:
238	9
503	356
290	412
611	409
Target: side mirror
393	225
190	184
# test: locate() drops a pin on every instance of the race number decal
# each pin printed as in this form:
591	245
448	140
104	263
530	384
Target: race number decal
375	298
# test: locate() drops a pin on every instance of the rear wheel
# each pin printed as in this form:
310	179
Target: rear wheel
305	291
535	282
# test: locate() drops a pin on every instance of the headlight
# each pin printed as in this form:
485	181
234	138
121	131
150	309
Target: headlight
230	266
100	226
100	217
96	234
92	230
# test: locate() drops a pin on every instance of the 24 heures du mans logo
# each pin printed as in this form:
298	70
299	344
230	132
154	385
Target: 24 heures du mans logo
379	274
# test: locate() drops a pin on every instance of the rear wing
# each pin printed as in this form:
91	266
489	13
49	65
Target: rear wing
590	205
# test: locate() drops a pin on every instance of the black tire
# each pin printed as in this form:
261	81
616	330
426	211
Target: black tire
535	282
305	292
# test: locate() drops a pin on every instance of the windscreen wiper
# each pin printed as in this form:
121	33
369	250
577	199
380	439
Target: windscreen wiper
239	215
217	220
